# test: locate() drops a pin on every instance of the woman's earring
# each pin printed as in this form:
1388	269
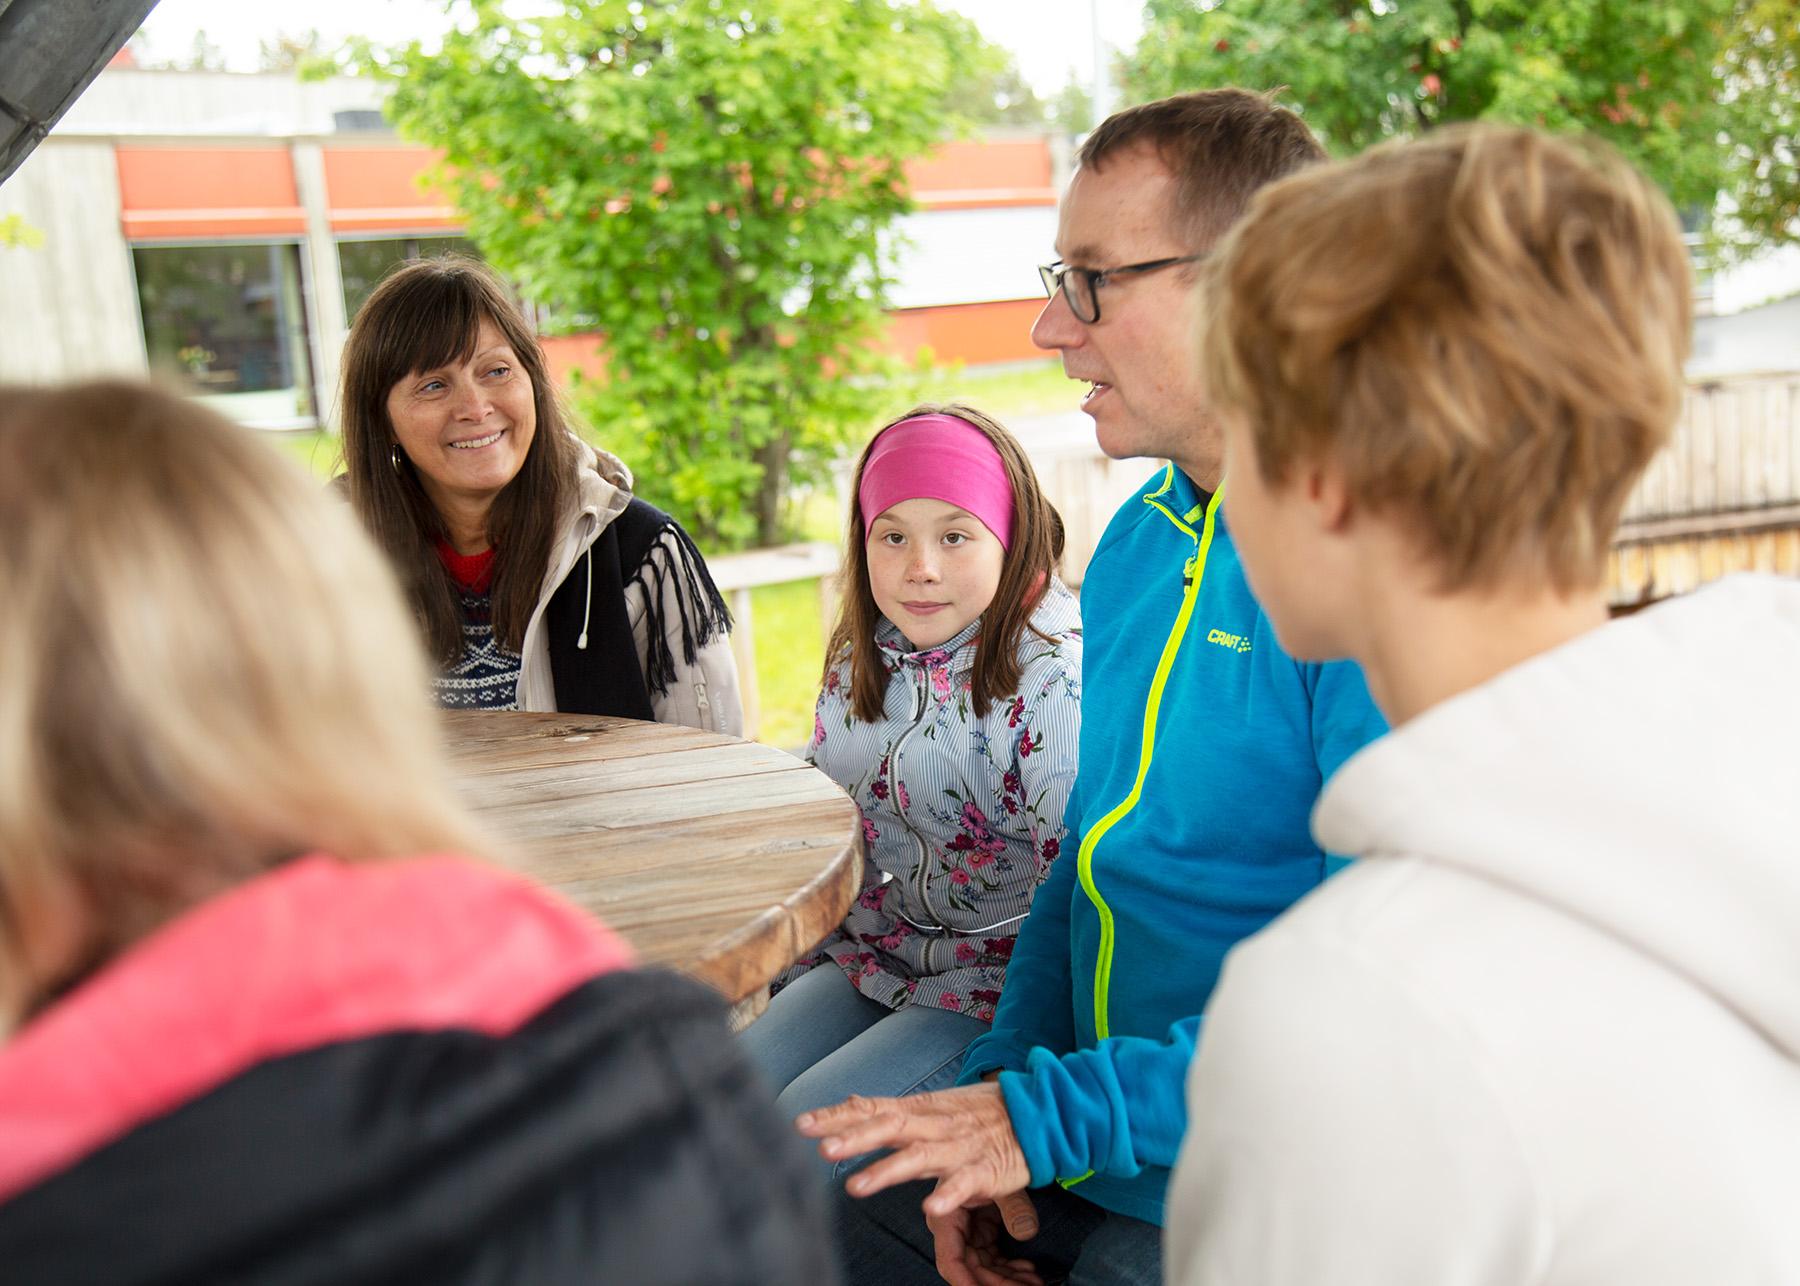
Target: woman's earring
394	456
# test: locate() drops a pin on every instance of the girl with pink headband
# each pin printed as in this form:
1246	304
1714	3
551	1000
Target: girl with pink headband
950	713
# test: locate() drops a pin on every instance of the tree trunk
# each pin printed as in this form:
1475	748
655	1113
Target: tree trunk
773	457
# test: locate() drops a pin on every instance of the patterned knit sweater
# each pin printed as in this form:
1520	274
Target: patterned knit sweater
486	675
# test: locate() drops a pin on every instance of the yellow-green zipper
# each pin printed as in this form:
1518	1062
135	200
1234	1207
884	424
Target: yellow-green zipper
1171	646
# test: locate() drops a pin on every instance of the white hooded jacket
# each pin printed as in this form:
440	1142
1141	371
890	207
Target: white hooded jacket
704	694
1547	1031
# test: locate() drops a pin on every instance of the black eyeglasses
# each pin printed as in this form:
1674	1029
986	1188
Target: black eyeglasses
1081	286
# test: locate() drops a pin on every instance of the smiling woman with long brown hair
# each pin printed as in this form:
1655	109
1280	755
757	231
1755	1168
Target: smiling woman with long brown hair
539	580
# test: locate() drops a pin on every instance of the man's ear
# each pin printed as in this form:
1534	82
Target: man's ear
1327	496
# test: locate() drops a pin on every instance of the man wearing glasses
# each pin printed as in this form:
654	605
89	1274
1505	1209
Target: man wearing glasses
1203	747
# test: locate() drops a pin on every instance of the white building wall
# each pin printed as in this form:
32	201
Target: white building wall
126	102
971	256
68	308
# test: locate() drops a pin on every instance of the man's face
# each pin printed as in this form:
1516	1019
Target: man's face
1142	355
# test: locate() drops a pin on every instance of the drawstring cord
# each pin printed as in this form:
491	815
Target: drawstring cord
588	607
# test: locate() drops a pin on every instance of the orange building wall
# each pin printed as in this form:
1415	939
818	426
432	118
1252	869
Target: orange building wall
976	174
378	189
971	333
966	164
565	354
208	192
238	192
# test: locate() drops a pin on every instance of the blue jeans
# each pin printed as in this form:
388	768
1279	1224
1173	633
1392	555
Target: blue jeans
883	1239
821	1040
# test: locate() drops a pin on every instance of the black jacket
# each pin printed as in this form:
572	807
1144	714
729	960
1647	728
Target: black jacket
619	1136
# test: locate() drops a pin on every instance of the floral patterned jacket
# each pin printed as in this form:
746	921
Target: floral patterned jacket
962	816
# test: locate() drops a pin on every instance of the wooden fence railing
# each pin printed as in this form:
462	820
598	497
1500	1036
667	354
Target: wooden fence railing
737	574
1735	450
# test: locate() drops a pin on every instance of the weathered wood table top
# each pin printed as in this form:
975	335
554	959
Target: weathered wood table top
716	856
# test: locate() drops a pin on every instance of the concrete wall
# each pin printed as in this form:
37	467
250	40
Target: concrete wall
68	308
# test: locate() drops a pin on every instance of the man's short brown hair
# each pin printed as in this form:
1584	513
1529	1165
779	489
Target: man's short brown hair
1220	144
1485	330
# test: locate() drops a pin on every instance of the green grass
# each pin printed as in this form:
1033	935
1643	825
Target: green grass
316	451
790	652
1009	394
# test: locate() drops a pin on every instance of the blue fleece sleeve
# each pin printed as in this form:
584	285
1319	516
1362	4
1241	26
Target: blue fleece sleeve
1110	1110
1344	720
1037	1001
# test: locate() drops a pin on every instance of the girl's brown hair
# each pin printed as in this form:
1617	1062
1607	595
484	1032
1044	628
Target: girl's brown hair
209	671
427	315
1037	546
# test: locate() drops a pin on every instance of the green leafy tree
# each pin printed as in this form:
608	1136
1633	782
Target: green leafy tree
1762	85
201	55
711	186
1664	81
308	55
996	93
14	231
1072	110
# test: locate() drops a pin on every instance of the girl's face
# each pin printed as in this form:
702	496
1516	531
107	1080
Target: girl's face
933	568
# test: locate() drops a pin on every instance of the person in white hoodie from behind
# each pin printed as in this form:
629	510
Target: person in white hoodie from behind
1547	1029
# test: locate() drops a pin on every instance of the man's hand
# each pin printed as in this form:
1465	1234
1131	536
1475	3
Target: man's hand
961	1137
966	1244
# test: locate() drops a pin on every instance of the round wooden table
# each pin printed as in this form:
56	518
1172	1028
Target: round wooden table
720	857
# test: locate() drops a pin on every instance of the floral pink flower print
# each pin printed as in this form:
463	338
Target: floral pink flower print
983	860
818	731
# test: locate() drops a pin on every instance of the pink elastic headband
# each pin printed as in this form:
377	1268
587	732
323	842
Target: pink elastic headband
937	457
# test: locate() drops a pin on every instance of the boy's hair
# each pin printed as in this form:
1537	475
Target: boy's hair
1037	546
209	670
1220	144
1484	329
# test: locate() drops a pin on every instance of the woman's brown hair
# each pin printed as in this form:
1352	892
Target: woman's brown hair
427	315
1037	546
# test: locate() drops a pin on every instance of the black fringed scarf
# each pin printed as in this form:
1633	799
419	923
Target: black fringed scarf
606	676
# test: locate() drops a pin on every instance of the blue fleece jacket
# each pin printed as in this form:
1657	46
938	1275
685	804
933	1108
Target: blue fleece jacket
1203	748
